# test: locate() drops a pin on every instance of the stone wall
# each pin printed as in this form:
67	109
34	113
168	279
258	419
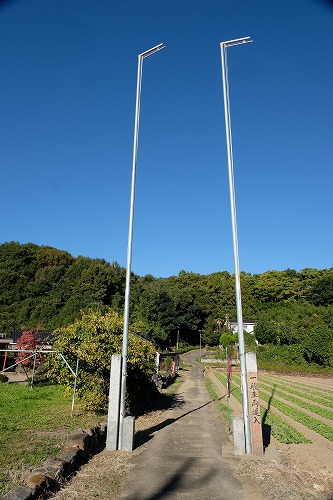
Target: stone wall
51	475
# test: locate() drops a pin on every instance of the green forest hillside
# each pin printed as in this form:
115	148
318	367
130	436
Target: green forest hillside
45	287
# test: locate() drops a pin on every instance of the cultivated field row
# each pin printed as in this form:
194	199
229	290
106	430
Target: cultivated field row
286	404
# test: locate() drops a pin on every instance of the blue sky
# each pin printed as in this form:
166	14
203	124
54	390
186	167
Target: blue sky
67	98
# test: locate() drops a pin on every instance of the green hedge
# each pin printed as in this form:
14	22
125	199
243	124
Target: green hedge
270	356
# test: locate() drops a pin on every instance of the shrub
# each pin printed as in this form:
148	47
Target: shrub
226	338
29	342
270	356
318	347
166	364
250	342
265	332
3	378
93	339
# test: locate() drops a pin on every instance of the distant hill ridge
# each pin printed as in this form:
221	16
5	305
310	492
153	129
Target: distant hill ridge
46	287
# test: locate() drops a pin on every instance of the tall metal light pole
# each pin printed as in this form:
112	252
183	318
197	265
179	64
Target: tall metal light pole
141	57
245	399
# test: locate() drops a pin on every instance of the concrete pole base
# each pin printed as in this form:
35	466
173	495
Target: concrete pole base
238	435
114	403
128	430
128	434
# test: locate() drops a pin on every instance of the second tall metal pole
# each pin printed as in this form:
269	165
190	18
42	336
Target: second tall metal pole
245	400
129	245
129	256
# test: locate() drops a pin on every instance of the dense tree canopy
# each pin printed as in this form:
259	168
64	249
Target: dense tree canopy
46	286
40	285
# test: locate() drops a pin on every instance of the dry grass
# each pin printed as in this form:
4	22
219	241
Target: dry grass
100	478
278	480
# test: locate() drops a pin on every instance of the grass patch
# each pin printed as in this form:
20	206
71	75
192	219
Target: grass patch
173	388
293	369
34	424
221	405
183	365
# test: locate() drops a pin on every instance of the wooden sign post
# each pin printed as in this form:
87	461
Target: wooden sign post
254	403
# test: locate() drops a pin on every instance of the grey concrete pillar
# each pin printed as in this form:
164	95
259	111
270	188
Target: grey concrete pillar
128	434
114	403
239	435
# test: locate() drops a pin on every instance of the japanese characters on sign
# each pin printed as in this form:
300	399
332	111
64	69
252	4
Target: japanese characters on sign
254	411
254	401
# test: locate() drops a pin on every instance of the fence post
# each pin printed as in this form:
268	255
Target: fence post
74	389
33	372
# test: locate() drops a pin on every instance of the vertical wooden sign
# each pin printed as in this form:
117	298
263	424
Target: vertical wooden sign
254	403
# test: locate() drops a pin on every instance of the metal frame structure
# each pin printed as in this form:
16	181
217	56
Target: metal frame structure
33	354
141	57
245	400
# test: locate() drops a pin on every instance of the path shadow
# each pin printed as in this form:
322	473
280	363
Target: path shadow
191	477
266	428
174	483
142	437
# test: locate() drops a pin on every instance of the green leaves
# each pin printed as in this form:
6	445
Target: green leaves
43	285
226	338
93	339
281	430
318	347
274	399
321	292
